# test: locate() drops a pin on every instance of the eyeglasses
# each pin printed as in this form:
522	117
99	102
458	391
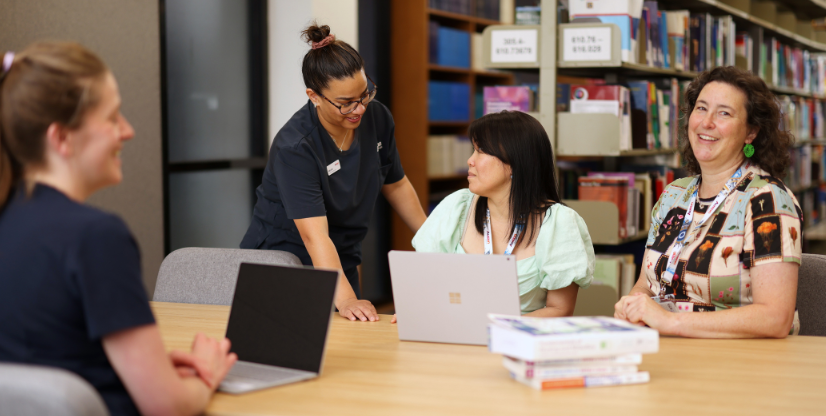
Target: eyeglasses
351	106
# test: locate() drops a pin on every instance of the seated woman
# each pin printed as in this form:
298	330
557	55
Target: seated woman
727	239
71	294
512	194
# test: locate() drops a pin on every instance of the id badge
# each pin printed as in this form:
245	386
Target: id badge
672	305
333	167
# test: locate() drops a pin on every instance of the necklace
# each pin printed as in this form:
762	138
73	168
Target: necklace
340	148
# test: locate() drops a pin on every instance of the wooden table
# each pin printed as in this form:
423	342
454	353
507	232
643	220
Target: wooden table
368	371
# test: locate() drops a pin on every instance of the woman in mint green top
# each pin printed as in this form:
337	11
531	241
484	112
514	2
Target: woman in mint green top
512	192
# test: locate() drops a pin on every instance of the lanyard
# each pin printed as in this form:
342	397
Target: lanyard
489	242
668	275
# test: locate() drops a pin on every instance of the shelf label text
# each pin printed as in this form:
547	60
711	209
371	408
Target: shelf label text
514	46
587	44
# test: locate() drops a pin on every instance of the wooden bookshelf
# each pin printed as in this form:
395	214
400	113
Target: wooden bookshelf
412	71
577	144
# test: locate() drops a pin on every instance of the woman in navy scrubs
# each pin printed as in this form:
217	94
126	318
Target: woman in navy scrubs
326	168
70	277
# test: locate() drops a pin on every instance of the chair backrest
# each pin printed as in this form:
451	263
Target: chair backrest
208	275
33	390
811	295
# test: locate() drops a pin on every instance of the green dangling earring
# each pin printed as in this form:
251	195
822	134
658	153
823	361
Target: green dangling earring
748	150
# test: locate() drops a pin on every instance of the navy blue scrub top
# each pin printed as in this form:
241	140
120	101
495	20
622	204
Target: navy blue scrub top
296	184
69	275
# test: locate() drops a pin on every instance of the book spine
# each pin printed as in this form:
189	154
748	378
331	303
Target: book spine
587	381
560	373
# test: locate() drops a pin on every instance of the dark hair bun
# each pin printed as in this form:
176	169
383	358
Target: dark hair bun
315	33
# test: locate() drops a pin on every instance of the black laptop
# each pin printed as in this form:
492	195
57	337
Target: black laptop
278	325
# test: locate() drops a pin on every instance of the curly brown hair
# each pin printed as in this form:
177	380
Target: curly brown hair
763	112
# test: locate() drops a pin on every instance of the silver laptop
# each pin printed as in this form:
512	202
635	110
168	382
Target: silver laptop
278	325
447	297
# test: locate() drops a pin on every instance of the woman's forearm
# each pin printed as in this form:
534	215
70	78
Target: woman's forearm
404	200
751	321
324	255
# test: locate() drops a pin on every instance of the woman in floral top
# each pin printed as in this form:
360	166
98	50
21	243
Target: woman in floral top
740	249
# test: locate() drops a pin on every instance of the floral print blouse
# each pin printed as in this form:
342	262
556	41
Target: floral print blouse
758	223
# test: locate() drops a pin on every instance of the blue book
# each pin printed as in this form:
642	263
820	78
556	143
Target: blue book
666	56
433	38
453	47
460	101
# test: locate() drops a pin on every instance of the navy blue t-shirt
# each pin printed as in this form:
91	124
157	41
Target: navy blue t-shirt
69	275
296	184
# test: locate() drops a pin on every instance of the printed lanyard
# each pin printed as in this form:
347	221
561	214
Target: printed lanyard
489	242
671	268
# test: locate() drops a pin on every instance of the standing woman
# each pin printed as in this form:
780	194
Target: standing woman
326	168
70	278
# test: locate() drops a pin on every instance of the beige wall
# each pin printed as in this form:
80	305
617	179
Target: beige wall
286	20
126	34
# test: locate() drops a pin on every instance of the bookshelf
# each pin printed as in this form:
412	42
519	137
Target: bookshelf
412	71
599	138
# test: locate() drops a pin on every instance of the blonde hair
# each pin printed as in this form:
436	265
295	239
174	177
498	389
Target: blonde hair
48	82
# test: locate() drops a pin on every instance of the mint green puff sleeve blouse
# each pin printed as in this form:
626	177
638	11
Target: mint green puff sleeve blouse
564	252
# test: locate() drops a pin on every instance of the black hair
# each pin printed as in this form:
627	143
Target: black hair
520	141
336	60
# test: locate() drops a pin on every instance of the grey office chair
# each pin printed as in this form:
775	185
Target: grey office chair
811	295
32	390
208	275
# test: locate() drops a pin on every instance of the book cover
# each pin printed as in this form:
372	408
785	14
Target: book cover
609	99
676	28
537	339
613	190
500	98
588	381
643	135
632	220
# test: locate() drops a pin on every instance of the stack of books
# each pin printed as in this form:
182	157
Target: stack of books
571	352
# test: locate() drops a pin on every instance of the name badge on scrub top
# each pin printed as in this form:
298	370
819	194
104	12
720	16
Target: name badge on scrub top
333	167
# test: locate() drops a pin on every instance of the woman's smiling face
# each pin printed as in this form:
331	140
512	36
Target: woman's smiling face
718	127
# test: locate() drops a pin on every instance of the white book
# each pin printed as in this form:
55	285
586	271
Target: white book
518	367
624	359
587	381
536	339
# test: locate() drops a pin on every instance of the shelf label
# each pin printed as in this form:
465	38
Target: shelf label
586	44
519	45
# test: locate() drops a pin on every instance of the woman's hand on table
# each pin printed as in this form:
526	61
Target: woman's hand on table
362	310
640	309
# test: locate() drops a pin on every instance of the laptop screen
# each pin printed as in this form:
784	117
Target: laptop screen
280	315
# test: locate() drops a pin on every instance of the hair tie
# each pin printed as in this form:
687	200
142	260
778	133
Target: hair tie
8	59
326	41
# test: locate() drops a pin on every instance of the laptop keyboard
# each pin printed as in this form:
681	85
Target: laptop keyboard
242	371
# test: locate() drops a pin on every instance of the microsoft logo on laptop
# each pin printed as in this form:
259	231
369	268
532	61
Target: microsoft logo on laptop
455	298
